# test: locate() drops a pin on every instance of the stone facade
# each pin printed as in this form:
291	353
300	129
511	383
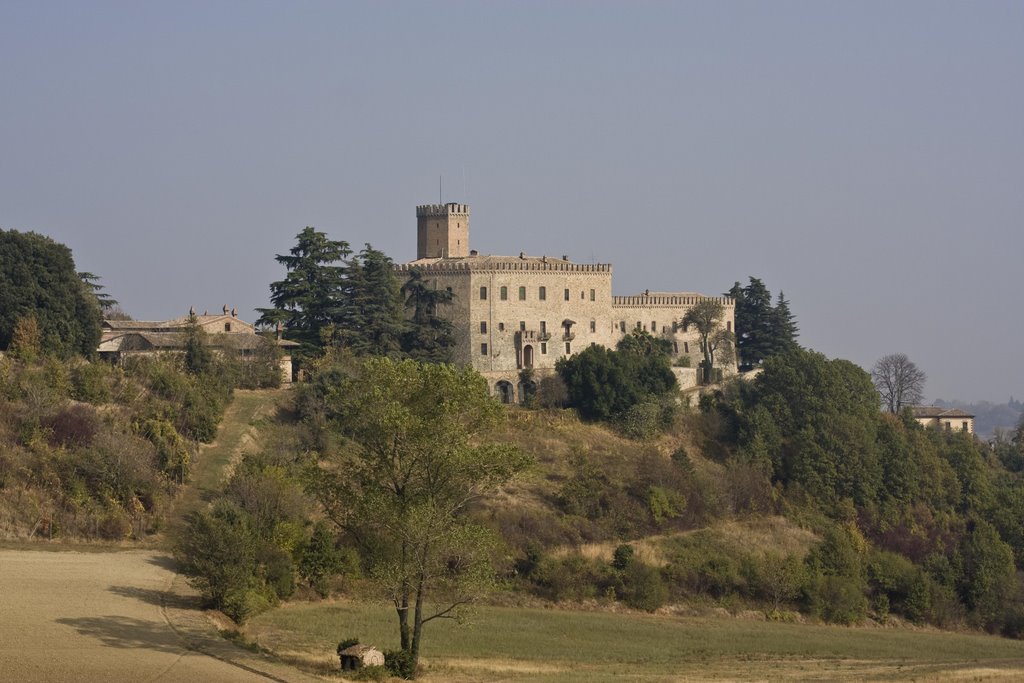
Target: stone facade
950	419
512	313
227	332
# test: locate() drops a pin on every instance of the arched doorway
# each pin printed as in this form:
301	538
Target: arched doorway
528	356
505	391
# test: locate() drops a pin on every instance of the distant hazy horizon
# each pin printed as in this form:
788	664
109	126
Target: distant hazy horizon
866	158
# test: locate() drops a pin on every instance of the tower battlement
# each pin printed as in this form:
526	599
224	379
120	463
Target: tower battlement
450	209
442	230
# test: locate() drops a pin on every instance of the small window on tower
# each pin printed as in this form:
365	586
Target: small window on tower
568	348
483	349
522	326
543	347
593	326
501	327
483	294
227	327
567	295
522	293
483	327
542	293
654	326
504	293
728	325
593	295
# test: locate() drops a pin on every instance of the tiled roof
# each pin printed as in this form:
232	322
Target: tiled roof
937	412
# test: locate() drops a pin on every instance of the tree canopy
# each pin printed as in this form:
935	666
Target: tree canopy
762	330
38	280
707	317
402	486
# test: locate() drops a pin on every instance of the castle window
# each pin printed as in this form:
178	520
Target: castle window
483	327
583	295
543	326
543	347
622	325
654	326
483	294
449	289
593	326
639	326
593	295
675	348
227	327
686	347
568	348
501	327
522	326
542	294
504	293
522	293
483	349
567	295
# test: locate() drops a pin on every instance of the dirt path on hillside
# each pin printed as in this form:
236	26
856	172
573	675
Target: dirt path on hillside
110	615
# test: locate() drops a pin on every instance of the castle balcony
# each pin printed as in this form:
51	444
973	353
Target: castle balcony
568	336
524	337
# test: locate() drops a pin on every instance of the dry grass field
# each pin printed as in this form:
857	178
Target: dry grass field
547	645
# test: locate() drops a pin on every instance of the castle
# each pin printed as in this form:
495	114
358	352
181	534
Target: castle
515	313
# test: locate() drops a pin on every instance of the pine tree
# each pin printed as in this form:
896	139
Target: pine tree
428	338
306	302
372	322
784	328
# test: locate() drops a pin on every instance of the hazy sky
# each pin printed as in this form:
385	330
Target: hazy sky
865	157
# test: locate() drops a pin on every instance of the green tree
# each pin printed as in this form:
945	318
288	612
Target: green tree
198	356
371	320
307	301
784	328
986	570
602	383
707	317
92	283
403	487
38	279
429	337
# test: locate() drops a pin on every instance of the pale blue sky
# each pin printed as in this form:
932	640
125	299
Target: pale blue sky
865	157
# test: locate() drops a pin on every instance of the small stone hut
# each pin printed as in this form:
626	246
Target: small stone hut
358	656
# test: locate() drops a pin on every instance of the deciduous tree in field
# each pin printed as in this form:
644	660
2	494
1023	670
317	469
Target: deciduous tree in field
402	486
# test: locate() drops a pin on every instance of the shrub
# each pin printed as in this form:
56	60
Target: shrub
90	382
643	587
400	663
242	603
552	392
622	557
839	599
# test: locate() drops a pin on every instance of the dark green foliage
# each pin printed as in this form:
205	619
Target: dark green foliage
400	663
986	569
428	336
320	560
307	302
643	587
372	322
602	383
92	283
198	357
761	329
622	557
38	280
217	552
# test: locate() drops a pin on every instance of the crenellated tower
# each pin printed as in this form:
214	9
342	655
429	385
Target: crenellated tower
442	231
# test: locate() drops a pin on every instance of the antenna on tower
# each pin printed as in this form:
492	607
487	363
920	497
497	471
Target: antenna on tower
440	194
465	192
